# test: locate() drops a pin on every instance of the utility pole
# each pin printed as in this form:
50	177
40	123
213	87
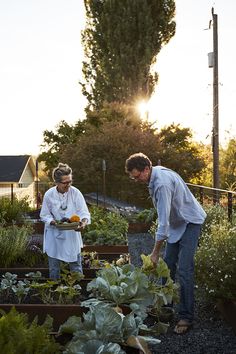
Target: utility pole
215	128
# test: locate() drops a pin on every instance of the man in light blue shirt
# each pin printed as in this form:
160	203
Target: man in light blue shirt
180	217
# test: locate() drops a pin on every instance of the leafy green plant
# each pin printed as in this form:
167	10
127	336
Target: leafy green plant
13	243
103	330
21	290
62	291
12	212
69	288
18	336
45	291
107	228
7	282
122	285
147	215
165	291
216	262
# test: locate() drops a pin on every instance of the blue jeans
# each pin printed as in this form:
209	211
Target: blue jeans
179	257
54	267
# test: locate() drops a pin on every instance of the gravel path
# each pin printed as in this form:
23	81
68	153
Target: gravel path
210	335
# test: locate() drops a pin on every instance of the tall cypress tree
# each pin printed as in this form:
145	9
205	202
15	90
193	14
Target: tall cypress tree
121	41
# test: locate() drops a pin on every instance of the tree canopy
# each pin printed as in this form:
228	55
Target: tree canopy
228	165
121	41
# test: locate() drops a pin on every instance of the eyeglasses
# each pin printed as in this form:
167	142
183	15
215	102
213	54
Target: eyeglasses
135	178
66	182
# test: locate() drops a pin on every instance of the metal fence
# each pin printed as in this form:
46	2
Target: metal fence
206	195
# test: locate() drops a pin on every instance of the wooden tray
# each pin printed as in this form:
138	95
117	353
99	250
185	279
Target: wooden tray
68	225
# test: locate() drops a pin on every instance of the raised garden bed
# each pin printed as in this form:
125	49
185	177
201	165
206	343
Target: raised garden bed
60	313
101	249
22	271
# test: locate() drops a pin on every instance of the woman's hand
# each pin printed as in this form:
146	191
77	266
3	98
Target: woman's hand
82	225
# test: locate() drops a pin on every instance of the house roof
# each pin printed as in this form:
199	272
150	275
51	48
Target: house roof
12	167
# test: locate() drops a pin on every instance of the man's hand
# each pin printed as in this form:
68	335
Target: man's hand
154	257
156	252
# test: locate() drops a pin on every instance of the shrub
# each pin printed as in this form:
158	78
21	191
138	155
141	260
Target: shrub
216	262
107	228
11	212
216	215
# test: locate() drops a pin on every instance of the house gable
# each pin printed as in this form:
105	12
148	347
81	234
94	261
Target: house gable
17	169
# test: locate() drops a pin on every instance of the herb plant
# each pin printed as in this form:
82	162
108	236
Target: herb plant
13	243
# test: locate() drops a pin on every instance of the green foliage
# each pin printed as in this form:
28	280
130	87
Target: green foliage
11	212
66	290
180	153
17	336
54	142
216	215
121	41
122	285
11	286
103	330
216	261
147	215
107	228
164	292
228	165
13	243
33	255
114	142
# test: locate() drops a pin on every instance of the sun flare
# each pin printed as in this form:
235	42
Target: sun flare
143	109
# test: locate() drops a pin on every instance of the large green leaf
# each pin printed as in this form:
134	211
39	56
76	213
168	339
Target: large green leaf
110	348
108	324
129	326
71	325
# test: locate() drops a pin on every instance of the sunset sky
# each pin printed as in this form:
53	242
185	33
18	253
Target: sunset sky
40	67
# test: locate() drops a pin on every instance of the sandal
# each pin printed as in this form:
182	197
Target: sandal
183	326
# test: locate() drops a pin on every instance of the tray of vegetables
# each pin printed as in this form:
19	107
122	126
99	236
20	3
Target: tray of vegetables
72	223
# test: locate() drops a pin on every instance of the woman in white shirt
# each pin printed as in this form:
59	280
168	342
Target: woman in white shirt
62	201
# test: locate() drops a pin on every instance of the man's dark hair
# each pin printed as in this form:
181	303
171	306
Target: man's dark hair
138	161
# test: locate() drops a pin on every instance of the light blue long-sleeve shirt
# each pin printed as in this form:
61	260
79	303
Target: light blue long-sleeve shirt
176	206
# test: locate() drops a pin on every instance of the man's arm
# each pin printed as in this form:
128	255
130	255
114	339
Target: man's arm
163	203
156	251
